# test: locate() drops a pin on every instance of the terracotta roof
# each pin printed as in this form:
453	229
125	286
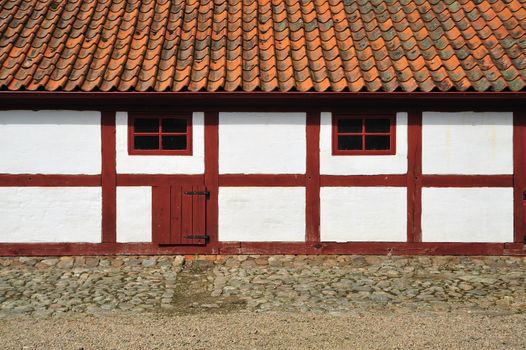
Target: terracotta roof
283	45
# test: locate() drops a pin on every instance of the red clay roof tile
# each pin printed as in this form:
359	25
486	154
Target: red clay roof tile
268	45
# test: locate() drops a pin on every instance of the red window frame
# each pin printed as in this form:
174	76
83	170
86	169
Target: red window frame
363	133
159	133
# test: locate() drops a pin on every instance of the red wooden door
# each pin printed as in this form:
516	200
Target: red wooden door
179	216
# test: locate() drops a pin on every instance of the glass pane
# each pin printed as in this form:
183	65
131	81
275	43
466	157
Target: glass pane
174	142
377	125
174	125
377	142
146	142
349	143
146	125
349	125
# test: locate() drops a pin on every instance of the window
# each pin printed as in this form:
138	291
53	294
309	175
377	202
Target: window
363	134
161	134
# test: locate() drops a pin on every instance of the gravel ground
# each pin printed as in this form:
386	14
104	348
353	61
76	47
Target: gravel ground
246	330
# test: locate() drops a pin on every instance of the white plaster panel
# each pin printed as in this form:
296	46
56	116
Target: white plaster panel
50	142
362	164
467	143
366	214
467	215
50	214
259	214
159	164
134	214
262	143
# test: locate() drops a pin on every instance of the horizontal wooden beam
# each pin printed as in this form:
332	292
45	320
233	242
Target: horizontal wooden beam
256	180
268	248
56	249
157	180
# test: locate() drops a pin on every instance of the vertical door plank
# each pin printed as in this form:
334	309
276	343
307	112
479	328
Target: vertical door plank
187	214
161	214
176	216
199	217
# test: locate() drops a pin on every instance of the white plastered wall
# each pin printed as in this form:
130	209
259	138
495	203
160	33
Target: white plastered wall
467	215
373	214
134	214
50	142
262	143
467	143
359	164
158	164
261	214
50	214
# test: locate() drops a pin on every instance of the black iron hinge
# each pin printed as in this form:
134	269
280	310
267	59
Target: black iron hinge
205	237
198	193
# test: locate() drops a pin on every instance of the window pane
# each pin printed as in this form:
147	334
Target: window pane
377	125
347	143
349	125
146	142
377	142
174	142
146	125
174	125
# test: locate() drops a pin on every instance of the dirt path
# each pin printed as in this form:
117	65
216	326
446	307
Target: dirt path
372	330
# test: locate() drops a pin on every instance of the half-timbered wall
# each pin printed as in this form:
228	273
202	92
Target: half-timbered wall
274	184
66	145
134	214
363	165
262	143
363	214
159	164
50	142
257	144
255	214
50	214
467	214
468	144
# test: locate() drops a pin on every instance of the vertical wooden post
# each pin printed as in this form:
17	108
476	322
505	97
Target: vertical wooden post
212	173
519	174
414	177
108	178
312	189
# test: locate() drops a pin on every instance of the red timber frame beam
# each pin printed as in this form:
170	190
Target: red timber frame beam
414	177
108	178
312	180
212	176
519	175
375	248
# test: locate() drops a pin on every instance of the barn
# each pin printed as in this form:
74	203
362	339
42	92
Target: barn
262	127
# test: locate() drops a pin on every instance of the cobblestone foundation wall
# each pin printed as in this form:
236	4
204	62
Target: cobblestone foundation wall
54	286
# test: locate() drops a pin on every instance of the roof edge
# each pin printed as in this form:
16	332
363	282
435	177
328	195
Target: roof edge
252	100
